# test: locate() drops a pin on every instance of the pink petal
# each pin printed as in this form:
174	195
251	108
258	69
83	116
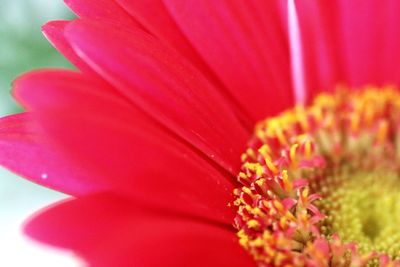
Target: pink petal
110	231
105	11
350	42
245	45
323	57
54	32
153	15
123	150
165	86
390	34
53	88
156	19
24	150
360	34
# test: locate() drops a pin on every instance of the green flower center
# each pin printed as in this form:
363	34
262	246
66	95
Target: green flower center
363	207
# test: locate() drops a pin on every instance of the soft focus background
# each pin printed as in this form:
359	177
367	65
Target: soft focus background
22	48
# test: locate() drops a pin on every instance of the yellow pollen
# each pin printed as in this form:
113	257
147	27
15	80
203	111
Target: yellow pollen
270	165
293	149
279	206
277	131
246	190
308	149
253	224
260	182
242	175
287	184
265	150
255	167
382	131
355	122
250	152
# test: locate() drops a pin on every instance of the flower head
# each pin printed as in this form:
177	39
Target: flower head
147	134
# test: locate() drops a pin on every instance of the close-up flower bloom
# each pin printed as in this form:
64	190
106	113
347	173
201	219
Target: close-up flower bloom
216	133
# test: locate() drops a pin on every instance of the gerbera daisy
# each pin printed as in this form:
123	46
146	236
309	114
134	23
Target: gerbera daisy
153	136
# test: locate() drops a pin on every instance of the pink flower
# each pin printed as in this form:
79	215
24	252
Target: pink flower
147	135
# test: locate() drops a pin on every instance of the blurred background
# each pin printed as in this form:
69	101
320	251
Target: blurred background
23	48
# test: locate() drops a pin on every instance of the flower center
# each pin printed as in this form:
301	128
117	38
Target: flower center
320	184
363	207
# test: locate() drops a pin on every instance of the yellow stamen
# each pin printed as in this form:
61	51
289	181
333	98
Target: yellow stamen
293	149
286	182
382	131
